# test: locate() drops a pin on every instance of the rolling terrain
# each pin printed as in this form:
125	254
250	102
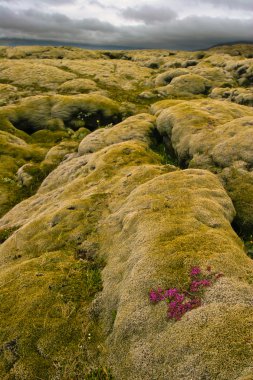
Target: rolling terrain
121	172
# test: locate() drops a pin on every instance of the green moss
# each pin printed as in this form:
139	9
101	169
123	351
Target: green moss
55	315
240	189
6	233
99	374
48	137
51	293
118	202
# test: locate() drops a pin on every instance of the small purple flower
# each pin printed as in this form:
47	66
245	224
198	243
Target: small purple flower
170	293
194	287
153	296
179	298
179	302
195	271
206	282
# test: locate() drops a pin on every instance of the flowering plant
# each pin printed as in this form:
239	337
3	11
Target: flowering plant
181	301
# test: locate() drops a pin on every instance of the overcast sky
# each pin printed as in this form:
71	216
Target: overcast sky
172	24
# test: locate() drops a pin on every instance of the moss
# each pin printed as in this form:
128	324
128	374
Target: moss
48	137
115	219
16	154
6	233
53	112
6	126
52	293
240	189
99	374
44	326
33	73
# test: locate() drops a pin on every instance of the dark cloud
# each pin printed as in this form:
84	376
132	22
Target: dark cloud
188	33
37	24
148	14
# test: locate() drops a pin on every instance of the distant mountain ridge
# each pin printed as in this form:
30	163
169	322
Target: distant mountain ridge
30	42
232	43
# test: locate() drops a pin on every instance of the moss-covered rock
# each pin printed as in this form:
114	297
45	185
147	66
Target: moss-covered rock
166	77
102	217
164	227
238	95
76	86
186	86
215	135
58	224
7	93
140	127
56	112
33	74
218	76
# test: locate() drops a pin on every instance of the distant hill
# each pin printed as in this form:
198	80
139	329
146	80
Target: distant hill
231	43
31	42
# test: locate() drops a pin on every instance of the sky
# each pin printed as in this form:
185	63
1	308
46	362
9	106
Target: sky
169	24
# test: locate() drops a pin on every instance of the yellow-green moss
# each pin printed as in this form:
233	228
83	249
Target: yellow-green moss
110	221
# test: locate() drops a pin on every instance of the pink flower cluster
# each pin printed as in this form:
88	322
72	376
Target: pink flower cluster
179	302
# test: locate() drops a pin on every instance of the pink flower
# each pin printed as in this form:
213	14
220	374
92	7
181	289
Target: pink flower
153	296
180	302
195	271
170	293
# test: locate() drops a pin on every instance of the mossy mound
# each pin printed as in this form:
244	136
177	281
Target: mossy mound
7	93
236	50
166	77
164	227
148	224
186	86
14	153
48	52
76	86
26	160
55	254
139	127
217	75
214	135
59	111
238	95
33	74
103	216
194	129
